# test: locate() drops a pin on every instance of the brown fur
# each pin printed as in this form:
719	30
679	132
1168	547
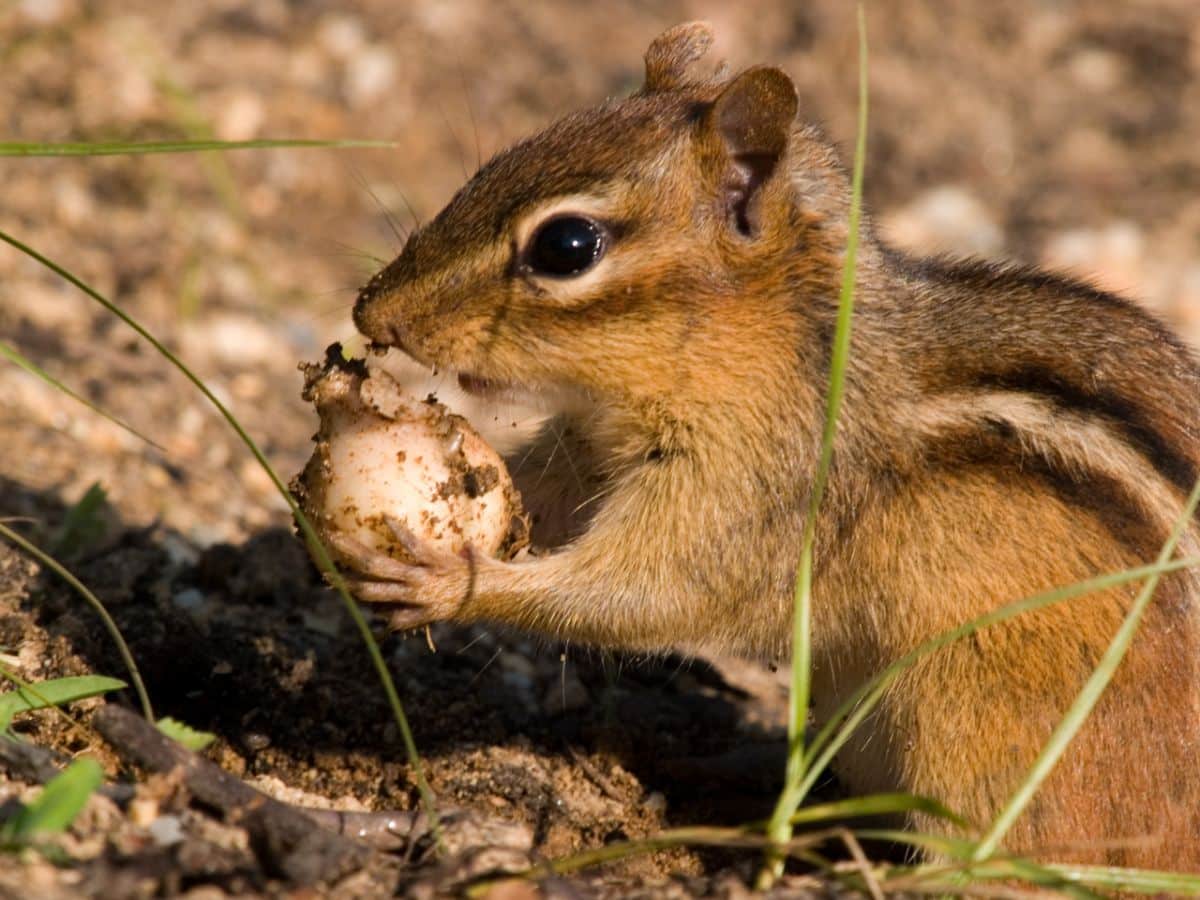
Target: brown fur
1004	431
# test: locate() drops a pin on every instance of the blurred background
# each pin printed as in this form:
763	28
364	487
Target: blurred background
1053	132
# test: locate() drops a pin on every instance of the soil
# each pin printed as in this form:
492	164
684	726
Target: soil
1056	133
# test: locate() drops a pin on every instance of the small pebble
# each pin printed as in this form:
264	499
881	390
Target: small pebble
205	892
515	662
945	219
255	741
518	682
166	830
656	803
240	117
370	74
189	599
143	811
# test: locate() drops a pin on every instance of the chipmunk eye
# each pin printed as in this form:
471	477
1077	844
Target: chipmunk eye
565	245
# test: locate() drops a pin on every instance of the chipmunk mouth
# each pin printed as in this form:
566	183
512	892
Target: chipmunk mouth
550	399
480	387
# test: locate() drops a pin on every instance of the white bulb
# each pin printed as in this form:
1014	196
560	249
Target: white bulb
383	453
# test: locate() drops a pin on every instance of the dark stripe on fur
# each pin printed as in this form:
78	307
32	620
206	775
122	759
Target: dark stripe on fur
995	445
1119	414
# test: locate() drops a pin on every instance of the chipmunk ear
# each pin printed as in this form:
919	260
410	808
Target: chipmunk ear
753	118
672	52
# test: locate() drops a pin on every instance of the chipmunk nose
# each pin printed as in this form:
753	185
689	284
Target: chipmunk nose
380	322
380	328
369	314
368	322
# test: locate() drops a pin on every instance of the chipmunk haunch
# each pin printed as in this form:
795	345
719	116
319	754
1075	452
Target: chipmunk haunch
662	271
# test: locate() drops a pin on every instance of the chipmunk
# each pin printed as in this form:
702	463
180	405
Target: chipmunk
662	273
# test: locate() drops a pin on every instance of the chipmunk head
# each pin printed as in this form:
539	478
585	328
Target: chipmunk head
589	256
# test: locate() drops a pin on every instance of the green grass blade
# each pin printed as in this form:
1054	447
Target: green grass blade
319	552
873	805
1140	881
57	805
1021	876
1087	698
94	602
842	724
54	693
33	368
948	847
134	148
952	875
194	739
31	690
1073	878
780	829
751	835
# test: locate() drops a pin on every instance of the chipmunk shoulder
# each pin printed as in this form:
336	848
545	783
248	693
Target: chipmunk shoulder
662	272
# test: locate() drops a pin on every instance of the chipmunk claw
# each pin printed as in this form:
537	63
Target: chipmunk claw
429	588
408	618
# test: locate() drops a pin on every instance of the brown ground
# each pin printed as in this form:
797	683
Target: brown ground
1060	133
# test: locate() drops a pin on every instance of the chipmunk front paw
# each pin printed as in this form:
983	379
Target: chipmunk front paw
431	585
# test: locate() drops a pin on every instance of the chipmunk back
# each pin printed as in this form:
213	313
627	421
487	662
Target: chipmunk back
662	272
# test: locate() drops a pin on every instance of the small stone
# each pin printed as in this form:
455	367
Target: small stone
255	479
947	219
73	203
205	892
190	599
514	889
1097	70
239	341
342	36
656	803
517	682
1112	257
370	74
143	811
166	830
44	12
241	117
255	741
248	386
515	662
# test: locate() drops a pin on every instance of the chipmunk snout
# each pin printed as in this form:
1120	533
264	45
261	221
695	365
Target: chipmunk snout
378	318
368	323
371	315
378	327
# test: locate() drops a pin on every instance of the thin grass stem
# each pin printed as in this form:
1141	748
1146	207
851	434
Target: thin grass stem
133	148
93	601
15	356
780	828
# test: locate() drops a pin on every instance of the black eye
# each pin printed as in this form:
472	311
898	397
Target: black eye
566	245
